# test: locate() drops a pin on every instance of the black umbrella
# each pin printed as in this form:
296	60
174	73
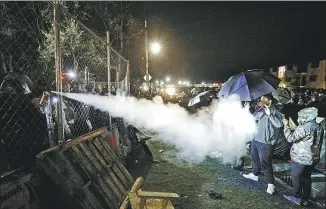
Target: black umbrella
282	95
250	85
271	79
201	98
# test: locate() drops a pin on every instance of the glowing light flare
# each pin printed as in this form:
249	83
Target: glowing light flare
71	74
145	87
167	79
156	48
170	91
54	99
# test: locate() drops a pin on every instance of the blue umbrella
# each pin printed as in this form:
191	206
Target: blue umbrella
250	85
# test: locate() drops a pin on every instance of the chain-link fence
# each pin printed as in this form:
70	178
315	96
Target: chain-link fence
23	130
29	118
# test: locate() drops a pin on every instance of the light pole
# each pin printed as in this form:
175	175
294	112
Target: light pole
146	49
155	49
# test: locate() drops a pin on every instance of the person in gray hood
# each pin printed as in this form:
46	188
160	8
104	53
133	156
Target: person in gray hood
305	153
269	121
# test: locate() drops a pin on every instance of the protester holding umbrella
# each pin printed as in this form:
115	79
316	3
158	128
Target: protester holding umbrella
251	85
269	121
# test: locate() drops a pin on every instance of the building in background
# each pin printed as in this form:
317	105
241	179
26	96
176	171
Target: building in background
311	75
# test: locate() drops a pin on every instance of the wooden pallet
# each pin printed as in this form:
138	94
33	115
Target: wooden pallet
87	170
139	199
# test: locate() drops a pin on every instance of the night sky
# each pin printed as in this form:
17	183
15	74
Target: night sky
213	40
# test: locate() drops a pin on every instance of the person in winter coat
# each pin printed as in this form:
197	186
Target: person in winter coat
269	121
305	152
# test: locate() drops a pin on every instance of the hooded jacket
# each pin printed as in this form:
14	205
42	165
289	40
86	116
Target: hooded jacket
306	138
268	126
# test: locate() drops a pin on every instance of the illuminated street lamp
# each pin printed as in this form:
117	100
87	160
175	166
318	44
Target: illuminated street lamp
156	48
71	74
180	82
168	79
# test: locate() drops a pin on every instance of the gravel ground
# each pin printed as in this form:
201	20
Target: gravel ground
192	182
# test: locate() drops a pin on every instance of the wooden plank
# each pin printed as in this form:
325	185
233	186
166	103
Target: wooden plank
150	203
107	168
137	185
73	142
60	180
115	165
86	137
88	171
115	158
157	195
98	184
100	170
78	184
125	203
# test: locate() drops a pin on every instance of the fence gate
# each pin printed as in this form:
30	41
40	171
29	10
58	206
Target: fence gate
87	170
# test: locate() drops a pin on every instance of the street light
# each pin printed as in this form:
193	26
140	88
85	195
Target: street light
156	48
168	79
180	82
71	74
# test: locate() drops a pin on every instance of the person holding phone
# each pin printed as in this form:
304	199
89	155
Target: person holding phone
269	121
305	153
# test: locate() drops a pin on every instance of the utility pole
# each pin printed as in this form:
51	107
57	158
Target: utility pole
108	60
146	49
58	71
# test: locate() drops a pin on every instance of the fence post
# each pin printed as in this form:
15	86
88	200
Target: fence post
58	71
108	60
108	51
128	78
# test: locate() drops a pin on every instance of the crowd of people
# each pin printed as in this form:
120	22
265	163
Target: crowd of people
307	96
